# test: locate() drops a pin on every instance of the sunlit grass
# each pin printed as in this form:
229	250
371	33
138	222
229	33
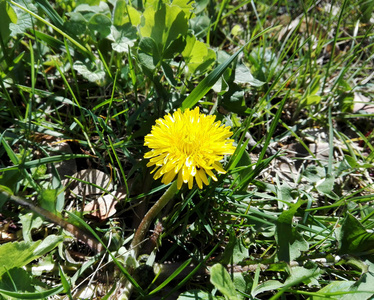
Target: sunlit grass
290	213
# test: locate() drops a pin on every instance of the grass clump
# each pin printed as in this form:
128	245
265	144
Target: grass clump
289	212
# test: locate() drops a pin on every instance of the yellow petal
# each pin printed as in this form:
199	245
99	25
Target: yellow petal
180	181
217	165
168	177
190	182
198	180
203	177
185	174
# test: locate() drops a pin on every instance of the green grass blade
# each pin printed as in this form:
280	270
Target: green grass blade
43	161
197	268
119	264
274	125
172	276
52	14
36	296
76	43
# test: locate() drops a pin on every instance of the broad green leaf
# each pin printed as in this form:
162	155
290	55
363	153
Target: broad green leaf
19	254
48	244
297	275
310	101
17	280
236	30
353	238
134	16
47	199
196	295
124	14
355	164
302	274
19	284
24	20
233	100
153	3
186	5
76	25
96	18
123	37
148	53
200	5
150	19
290	241
364	286
7	16
176	25
29	222
235	251
269	285
168	72
100	23
164	25
326	186
176	46
197	55
93	72
221	279
89	2
335	286
286	193
286	216
195	50
200	25
243	281
314	173
243	75
119	15
88	10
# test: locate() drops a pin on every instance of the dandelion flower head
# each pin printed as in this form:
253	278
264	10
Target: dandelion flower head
189	145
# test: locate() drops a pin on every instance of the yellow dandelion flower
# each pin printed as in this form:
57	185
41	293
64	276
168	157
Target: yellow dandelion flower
189	144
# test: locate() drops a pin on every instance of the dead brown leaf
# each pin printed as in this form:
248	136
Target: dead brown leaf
94	178
102	208
363	103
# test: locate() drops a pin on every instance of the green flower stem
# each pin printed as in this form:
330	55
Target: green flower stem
149	217
125	289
